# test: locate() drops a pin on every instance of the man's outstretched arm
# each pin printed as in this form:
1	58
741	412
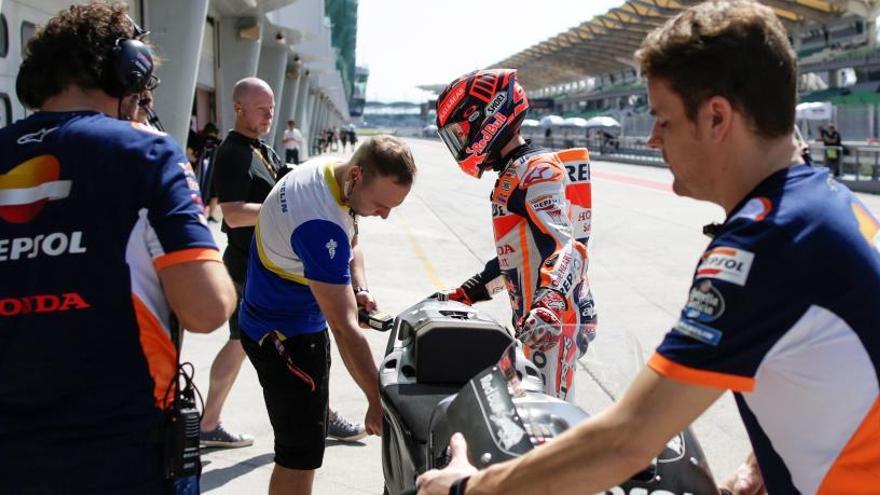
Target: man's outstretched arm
337	302
598	453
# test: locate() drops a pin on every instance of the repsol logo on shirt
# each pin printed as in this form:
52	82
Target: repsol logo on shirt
44	303
54	244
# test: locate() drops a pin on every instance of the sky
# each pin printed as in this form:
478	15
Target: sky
406	43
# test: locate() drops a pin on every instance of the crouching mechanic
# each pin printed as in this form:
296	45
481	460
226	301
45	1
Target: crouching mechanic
541	217
304	261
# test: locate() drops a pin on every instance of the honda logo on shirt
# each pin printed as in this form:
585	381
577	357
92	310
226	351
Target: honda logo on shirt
43	303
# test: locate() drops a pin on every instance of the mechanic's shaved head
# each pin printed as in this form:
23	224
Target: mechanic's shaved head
254	104
251	86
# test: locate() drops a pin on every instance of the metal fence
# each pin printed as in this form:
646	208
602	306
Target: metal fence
858	165
856	162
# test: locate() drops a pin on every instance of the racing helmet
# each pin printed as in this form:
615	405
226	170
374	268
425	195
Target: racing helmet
478	114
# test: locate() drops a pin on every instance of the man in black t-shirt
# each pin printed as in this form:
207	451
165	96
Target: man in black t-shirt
833	148
245	170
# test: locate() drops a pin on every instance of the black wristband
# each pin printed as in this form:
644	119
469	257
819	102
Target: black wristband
357	290
459	486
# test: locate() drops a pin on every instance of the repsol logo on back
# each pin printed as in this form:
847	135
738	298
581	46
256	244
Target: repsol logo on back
45	303
54	244
578	172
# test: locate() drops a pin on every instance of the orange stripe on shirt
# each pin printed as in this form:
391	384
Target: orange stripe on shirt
857	468
723	250
158	349
185	256
671	369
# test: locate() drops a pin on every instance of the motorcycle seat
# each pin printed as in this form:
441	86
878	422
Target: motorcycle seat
415	403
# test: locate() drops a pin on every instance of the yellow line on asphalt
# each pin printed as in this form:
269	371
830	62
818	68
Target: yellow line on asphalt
420	253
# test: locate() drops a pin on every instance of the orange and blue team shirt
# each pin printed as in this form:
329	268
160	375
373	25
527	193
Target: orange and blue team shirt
304	233
91	210
783	311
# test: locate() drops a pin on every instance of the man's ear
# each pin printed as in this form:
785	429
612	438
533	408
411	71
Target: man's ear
718	116
357	172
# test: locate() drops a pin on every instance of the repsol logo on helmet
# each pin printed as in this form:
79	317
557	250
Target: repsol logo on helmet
496	103
44	303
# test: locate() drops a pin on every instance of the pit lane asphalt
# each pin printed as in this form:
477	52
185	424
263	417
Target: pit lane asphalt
646	242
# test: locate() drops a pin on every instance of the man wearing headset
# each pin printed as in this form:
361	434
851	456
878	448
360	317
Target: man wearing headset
101	241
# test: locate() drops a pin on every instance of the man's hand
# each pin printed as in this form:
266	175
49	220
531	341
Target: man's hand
437	482
366	300
747	479
373	418
542	325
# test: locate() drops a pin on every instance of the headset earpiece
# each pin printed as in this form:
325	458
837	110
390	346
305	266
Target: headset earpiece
131	64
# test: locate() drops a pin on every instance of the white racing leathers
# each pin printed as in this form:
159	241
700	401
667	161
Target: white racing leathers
541	211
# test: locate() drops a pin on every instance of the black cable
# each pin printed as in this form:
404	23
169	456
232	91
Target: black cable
189	378
153	118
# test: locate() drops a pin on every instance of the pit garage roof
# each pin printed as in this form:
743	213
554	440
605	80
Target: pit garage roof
606	42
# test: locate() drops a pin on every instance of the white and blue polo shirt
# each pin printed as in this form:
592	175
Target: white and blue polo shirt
304	233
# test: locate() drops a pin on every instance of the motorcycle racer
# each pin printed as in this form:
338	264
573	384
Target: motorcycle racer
541	214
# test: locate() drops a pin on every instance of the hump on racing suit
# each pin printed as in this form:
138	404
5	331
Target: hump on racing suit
541	214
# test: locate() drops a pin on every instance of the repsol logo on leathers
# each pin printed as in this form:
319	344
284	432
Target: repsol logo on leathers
579	172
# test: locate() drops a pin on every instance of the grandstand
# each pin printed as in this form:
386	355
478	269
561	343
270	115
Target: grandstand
394	115
588	70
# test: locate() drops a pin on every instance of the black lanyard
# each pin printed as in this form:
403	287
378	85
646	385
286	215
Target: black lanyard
273	172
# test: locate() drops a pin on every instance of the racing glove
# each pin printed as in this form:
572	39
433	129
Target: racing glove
456	294
471	291
542	325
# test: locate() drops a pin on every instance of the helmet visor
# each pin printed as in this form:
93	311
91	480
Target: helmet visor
455	136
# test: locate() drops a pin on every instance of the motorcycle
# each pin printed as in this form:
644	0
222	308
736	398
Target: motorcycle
450	368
